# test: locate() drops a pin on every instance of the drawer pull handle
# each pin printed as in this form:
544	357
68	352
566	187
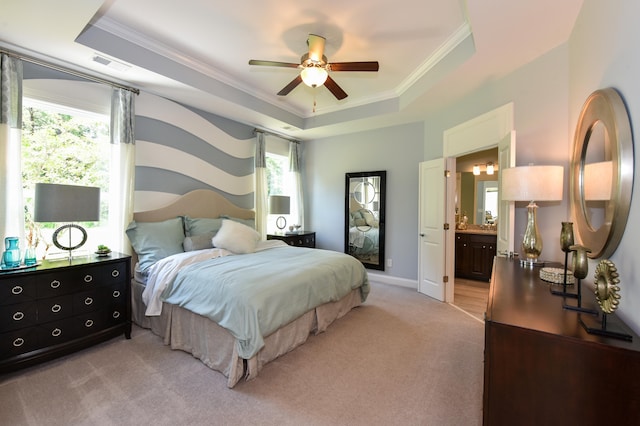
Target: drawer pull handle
16	290
56	332
115	273
56	308
116	293
18	316
18	342
88	323
88	301
116	314
88	278
484	247
55	284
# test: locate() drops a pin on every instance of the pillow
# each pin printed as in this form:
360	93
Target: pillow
369	218
201	225
153	241
198	242
236	237
251	223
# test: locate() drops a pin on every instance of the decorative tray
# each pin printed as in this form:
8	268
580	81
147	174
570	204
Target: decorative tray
556	275
4	268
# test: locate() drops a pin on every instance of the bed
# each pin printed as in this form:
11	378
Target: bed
175	292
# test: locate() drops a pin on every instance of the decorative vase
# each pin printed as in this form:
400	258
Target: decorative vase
30	256
566	236
580	263
11	255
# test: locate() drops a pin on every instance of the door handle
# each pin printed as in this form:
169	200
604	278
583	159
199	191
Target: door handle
422	235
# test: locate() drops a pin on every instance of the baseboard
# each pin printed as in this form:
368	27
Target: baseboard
386	279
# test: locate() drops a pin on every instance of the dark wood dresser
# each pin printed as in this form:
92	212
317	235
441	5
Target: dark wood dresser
59	307
543	368
298	239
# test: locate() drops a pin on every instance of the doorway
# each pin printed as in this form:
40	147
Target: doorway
494	128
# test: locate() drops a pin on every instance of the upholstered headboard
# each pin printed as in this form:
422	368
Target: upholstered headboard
197	203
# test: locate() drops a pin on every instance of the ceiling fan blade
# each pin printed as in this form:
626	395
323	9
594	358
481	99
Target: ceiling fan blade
273	63
335	89
354	66
289	87
316	47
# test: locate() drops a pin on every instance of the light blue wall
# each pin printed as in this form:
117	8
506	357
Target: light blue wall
604	53
539	92
398	150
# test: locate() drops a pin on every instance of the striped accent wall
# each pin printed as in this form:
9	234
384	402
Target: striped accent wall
179	149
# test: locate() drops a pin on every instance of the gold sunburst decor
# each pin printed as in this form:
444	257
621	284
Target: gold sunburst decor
607	286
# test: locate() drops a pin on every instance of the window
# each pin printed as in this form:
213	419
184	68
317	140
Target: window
65	145
280	181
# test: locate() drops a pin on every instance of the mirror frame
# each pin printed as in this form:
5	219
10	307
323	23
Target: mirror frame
381	216
603	106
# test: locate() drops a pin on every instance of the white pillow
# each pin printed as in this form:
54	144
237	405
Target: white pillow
236	237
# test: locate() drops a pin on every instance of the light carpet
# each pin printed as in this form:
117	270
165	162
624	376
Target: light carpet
399	359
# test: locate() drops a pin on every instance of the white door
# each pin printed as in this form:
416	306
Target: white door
506	159
431	218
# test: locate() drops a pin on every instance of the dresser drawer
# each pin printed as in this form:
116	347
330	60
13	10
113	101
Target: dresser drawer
15	289
55	308
13	317
18	342
56	332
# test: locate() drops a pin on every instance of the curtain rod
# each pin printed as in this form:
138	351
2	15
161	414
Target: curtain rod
68	71
276	135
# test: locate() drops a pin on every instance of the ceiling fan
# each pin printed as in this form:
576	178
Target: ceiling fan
315	68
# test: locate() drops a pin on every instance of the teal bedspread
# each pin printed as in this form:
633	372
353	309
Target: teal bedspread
252	295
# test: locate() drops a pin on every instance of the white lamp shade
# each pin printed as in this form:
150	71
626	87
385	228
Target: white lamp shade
597	180
532	183
279	204
314	76
66	203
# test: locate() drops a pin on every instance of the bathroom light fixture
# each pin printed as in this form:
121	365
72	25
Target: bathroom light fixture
529	183
489	168
476	170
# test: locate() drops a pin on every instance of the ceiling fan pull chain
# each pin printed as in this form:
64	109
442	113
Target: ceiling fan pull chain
314	101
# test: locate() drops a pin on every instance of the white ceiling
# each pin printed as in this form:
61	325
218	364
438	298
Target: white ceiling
431	52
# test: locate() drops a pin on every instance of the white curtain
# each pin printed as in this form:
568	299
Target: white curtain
297	197
122	179
11	202
261	189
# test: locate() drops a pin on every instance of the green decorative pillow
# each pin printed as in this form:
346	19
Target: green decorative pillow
153	241
201	225
198	242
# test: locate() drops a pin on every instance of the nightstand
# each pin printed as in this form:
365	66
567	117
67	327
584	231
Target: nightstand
58	307
297	239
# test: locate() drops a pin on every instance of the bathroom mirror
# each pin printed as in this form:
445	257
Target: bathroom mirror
364	217
601	178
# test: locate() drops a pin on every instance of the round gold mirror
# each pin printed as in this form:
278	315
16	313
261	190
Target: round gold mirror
602	172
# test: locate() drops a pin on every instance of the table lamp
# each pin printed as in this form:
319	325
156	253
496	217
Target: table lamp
279	204
532	183
67	203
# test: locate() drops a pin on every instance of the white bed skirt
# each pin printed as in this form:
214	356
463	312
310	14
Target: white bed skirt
216	347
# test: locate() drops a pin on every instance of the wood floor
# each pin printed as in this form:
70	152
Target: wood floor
471	296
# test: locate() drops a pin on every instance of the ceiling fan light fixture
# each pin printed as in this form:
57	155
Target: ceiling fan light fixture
314	76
